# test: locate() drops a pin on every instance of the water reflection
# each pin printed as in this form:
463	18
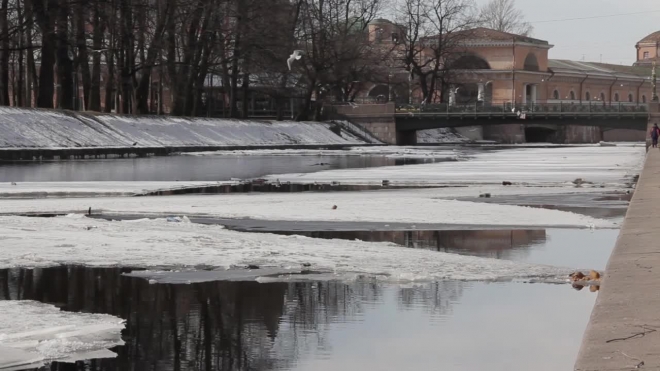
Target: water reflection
317	325
206	326
186	168
499	244
575	248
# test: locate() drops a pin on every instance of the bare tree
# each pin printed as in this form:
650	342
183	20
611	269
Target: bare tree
436	32
502	15
333	35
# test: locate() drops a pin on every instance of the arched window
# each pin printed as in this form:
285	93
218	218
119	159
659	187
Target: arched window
630	97
555	94
602	97
643	98
572	96
587	96
616	97
531	63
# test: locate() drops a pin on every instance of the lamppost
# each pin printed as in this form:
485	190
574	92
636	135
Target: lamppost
389	85
653	83
410	79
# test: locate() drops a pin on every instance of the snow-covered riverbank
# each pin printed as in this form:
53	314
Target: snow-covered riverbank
50	129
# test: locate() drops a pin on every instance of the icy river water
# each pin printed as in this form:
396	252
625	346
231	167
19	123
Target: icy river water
348	324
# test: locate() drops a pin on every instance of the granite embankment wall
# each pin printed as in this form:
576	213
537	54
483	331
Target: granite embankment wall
30	133
624	329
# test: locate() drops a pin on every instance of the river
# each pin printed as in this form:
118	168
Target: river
333	324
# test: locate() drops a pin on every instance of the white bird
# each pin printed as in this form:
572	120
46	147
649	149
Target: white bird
297	54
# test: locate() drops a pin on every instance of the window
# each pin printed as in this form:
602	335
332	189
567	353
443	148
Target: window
643	98
395	37
572	95
616	97
555	94
630	98
602	97
587	96
646	55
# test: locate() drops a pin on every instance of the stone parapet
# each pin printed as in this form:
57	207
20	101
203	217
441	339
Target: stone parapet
624	330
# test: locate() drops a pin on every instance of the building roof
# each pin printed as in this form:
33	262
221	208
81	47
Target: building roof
598	69
381	20
482	33
652	38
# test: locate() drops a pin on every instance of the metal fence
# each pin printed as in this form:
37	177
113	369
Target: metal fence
526	108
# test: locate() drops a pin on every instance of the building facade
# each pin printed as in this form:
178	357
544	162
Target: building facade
648	50
507	69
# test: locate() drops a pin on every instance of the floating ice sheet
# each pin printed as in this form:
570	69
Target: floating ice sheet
607	166
409	206
93	189
33	333
30	242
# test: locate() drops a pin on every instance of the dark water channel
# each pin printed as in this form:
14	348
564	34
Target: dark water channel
362	325
186	168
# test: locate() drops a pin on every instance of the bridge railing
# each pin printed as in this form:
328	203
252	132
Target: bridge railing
527	108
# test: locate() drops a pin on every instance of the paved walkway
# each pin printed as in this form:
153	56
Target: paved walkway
624	330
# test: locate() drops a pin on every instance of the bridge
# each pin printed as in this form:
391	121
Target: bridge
615	116
553	122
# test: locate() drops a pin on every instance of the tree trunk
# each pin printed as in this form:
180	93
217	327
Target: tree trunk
98	36
4	55
83	63
64	62
127	62
142	92
46	88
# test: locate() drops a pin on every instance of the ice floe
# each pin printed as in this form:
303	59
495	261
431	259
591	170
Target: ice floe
33	333
604	166
396	206
35	242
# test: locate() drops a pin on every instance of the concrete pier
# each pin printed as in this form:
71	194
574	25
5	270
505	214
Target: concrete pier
624	330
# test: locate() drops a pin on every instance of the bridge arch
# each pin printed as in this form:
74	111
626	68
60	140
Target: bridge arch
541	133
531	63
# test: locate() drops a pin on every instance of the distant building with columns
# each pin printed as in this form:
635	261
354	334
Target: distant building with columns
648	50
499	68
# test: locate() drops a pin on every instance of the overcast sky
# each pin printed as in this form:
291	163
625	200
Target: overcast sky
613	37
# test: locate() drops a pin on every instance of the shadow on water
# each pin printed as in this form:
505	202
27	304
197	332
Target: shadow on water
208	326
297	326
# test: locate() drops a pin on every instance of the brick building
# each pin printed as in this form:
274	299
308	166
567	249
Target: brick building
503	68
648	50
